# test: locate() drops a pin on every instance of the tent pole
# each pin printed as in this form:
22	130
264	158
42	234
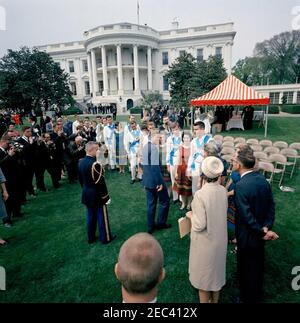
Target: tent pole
266	123
192	119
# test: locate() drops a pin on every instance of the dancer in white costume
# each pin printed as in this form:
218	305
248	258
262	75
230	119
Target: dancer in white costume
173	143
109	139
132	145
197	153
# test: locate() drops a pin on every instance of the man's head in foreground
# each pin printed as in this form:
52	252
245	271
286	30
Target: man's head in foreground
140	268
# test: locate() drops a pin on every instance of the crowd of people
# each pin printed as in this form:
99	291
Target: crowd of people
170	163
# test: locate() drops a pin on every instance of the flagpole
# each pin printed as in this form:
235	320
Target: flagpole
138	12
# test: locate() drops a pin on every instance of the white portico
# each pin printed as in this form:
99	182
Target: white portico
120	63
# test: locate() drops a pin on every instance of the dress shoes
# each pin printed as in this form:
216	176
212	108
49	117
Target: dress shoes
163	226
111	240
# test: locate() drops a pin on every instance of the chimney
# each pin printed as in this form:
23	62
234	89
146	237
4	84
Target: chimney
175	23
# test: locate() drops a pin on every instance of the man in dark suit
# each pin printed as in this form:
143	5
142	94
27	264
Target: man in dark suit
94	195
28	154
10	165
154	185
254	220
75	151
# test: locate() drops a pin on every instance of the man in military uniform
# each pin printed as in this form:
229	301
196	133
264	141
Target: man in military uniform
95	195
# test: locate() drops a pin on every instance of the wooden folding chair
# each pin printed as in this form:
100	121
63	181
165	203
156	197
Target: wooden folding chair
256	147
252	142
267	168
279	161
272	150
266	143
281	144
292	157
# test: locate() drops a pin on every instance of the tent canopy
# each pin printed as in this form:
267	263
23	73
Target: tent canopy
232	91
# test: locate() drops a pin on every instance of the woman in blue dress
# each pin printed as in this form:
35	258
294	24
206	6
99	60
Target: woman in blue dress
121	157
235	177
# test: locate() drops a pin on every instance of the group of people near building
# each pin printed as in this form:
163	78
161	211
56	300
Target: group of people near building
155	155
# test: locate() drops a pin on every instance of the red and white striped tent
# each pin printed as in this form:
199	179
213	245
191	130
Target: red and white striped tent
233	92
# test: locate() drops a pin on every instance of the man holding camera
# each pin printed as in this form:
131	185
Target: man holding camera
28	146
76	151
11	167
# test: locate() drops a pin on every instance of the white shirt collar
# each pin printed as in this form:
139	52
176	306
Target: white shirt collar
3	149
250	171
25	138
152	302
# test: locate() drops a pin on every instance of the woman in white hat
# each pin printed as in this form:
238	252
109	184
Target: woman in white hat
208	249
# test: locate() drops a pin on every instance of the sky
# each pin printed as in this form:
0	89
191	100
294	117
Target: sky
40	22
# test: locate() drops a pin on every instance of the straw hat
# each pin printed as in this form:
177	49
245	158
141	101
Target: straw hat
212	167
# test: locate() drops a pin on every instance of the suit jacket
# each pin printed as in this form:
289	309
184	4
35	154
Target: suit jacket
28	152
255	210
152	176
93	195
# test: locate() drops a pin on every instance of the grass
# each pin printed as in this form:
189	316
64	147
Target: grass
48	258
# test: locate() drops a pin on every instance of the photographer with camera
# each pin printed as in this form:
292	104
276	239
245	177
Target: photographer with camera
28	145
10	163
35	128
75	152
45	153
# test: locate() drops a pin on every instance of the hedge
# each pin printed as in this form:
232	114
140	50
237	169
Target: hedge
136	110
274	109
72	111
293	109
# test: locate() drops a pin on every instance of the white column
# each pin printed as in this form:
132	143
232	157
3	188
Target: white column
228	57
150	77
80	93
104	69
120	70
295	97
90	73
94	72
136	70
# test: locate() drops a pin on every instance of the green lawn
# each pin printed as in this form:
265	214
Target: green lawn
48	258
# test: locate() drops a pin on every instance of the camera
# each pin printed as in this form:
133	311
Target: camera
16	145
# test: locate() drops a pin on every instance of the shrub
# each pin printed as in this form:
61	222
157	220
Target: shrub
273	109
136	110
293	109
71	111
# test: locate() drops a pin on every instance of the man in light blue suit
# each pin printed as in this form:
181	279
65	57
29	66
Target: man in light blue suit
154	185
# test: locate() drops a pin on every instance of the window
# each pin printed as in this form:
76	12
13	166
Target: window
71	67
165	58
298	97
288	97
274	97
73	88
87	88
101	86
200	55
85	65
166	84
99	62
182	53
219	52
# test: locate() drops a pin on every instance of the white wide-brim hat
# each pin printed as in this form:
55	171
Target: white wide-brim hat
212	167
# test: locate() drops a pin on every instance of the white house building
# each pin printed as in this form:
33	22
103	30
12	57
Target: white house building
120	63
276	93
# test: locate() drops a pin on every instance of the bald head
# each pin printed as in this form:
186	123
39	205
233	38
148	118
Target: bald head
140	265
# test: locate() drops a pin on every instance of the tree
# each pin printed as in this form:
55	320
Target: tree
30	79
275	61
152	99
251	70
190	79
